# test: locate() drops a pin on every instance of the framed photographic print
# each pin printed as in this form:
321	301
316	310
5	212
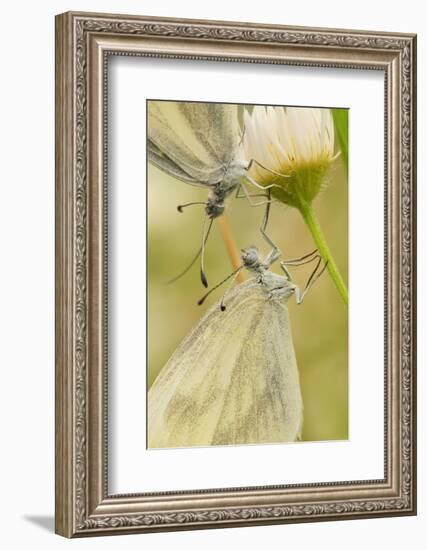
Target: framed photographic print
235	274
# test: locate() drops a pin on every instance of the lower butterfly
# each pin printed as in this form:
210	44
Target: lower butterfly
234	378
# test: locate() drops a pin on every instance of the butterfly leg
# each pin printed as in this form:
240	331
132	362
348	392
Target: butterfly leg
258	186
275	252
311	280
272	256
249	196
286	270
254	161
264	223
298	261
238	195
301	260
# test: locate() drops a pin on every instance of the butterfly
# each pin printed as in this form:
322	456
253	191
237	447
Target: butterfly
234	378
201	144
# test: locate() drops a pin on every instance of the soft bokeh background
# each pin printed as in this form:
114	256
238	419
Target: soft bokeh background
319	325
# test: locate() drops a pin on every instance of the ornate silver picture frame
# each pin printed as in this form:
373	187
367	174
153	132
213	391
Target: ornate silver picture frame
84	43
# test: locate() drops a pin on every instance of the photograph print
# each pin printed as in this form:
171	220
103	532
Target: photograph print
247	264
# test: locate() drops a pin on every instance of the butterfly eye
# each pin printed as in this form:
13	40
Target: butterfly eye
250	257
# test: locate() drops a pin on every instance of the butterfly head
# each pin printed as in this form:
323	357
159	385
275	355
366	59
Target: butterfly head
215	206
251	258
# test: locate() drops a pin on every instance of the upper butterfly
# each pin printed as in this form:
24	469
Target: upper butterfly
200	144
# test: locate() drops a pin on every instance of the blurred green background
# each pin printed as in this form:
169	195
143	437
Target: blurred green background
319	325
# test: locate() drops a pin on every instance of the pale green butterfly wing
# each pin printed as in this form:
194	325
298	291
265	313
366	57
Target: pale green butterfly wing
216	126
193	137
233	379
266	406
172	135
162	161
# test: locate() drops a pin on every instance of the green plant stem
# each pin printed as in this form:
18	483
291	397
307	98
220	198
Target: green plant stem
340	117
310	219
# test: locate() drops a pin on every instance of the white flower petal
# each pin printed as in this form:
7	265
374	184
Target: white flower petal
283	139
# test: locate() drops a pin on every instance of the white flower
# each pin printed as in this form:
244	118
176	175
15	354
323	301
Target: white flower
297	142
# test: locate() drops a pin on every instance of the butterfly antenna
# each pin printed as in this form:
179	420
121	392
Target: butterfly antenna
181	207
193	261
202	251
233	274
222	305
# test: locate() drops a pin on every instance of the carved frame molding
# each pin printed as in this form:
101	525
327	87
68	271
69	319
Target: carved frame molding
83	44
